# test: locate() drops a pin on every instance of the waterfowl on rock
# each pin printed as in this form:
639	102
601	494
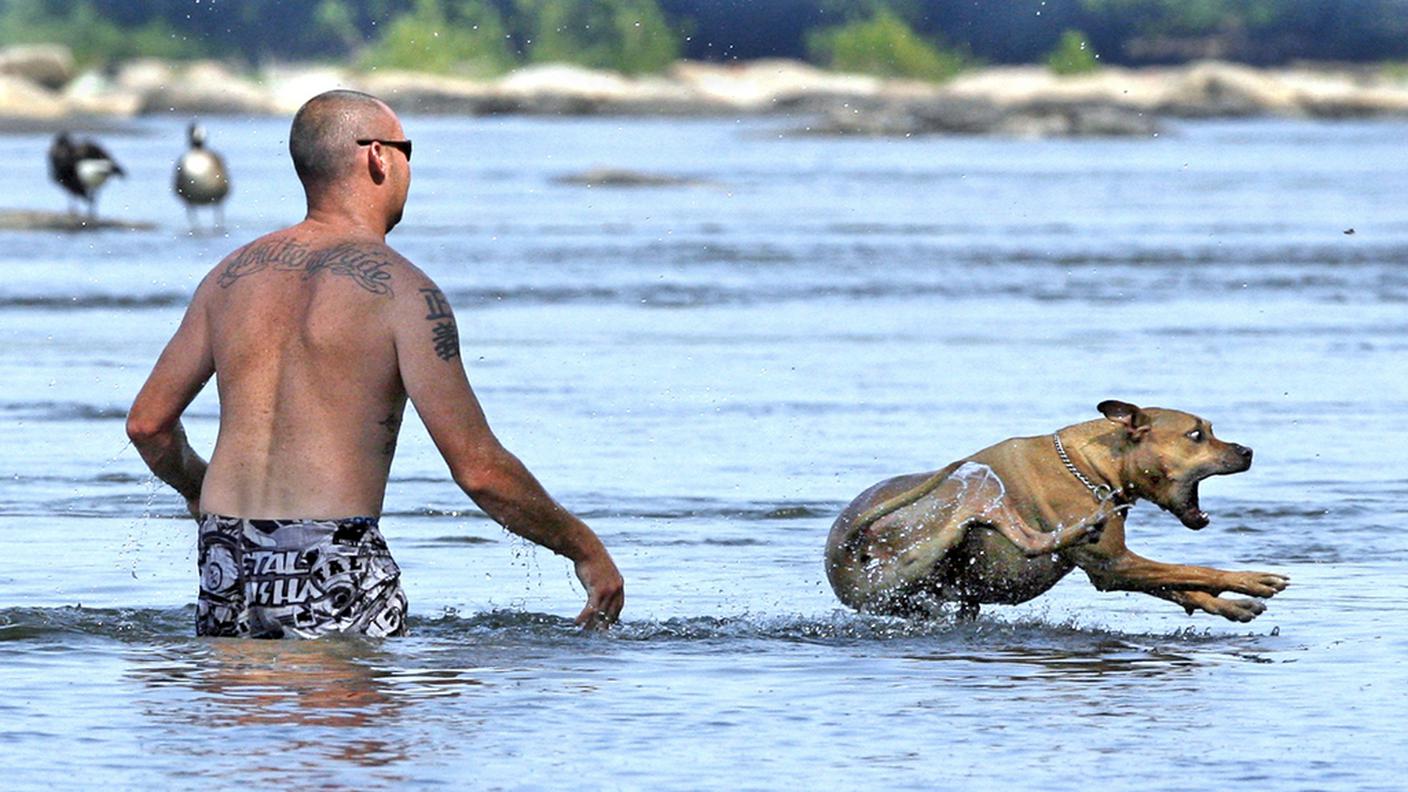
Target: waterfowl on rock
81	167
201	178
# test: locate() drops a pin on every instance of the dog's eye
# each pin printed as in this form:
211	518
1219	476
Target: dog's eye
1196	435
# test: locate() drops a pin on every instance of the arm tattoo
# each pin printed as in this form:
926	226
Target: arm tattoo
364	264
445	336
435	304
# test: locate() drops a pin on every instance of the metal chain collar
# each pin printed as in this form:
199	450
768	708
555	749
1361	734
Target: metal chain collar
1102	492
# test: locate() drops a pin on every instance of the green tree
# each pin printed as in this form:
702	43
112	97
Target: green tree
631	36
92	37
1073	55
333	18
885	45
455	36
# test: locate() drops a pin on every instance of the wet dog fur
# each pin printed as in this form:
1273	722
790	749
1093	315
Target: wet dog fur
1005	524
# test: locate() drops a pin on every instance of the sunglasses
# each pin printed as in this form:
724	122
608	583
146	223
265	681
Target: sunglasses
403	145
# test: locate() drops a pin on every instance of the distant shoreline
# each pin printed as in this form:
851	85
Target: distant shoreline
41	91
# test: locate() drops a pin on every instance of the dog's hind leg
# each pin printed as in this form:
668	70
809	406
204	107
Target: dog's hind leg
968	610
898	550
901	554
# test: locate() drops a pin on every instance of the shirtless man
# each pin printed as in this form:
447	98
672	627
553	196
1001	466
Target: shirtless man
318	334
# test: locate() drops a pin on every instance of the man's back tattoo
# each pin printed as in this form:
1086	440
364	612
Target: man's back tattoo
364	264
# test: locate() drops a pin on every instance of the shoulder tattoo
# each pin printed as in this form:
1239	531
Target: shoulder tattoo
444	335
366	265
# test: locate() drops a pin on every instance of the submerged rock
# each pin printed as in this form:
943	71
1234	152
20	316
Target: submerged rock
1093	120
970	116
616	177
28	220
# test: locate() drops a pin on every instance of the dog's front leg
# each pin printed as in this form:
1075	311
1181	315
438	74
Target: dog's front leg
1034	542
1125	571
1237	610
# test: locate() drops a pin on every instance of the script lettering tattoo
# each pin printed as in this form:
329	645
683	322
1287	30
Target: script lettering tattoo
365	265
445	335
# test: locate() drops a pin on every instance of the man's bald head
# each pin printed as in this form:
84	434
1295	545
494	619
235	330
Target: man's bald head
325	131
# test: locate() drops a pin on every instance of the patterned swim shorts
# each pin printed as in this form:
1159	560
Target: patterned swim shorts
297	579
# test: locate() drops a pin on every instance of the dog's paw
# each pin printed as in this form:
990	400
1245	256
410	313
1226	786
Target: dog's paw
1260	584
1237	610
1071	536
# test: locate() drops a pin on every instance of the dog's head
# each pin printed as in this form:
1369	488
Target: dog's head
1166	454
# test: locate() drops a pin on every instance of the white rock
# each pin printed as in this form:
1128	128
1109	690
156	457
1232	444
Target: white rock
145	74
566	79
208	87
288	87
47	65
416	92
93	93
20	98
758	84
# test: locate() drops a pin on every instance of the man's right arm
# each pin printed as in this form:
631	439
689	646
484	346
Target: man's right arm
154	422
428	354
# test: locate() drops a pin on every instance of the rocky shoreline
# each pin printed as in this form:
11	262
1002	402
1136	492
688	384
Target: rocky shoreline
41	89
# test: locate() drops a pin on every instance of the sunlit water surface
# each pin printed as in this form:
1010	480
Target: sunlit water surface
707	374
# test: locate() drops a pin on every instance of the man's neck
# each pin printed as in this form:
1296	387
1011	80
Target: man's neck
345	221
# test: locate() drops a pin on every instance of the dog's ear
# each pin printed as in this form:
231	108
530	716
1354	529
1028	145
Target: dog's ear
1133	419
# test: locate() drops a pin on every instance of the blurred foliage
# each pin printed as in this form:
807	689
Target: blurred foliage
1396	70
631	36
92	36
888	36
1255	31
1073	55
1181	17
456	37
885	45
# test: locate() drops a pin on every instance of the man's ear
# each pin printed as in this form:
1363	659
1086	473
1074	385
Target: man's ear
1133	419
376	164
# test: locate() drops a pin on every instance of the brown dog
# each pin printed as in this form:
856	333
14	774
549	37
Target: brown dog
1007	523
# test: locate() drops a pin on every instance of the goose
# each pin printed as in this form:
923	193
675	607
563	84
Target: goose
81	167
201	178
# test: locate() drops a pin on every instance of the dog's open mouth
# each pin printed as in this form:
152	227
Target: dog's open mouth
1186	508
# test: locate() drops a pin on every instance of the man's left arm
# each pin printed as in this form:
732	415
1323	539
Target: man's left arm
154	422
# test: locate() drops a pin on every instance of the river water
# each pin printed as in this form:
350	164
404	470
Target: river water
707	373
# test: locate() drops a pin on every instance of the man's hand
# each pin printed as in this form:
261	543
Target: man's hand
606	591
428	356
